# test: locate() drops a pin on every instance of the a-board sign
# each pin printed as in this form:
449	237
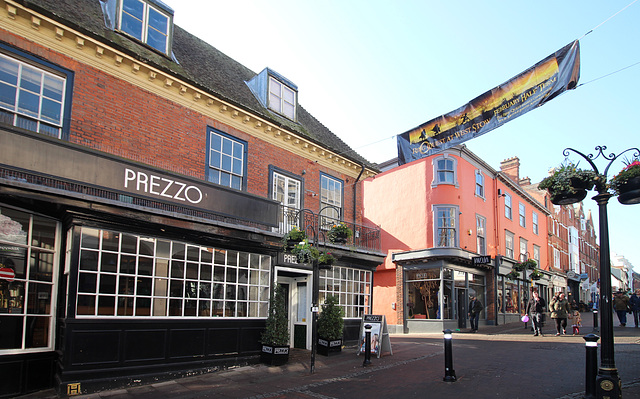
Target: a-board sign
379	334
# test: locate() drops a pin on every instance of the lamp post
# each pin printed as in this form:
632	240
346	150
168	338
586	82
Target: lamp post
607	381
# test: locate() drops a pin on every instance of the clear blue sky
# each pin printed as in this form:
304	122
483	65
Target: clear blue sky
370	70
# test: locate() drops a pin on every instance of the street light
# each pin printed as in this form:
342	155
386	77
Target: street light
607	381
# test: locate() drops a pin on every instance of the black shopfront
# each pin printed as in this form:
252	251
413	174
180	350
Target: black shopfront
123	273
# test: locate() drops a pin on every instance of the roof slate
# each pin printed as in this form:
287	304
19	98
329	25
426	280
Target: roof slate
199	63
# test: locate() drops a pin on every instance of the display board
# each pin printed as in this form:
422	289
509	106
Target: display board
379	335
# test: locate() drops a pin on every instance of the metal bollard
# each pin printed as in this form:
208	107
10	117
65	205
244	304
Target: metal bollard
367	346
449	372
595	320
591	370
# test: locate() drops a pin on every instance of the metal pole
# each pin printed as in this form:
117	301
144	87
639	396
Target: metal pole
449	372
367	346
314	313
608	381
591	366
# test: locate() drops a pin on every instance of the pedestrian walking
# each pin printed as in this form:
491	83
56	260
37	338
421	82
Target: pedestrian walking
535	309
621	306
560	310
475	307
577	322
634	303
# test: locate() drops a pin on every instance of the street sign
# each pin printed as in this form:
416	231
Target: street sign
481	260
7	273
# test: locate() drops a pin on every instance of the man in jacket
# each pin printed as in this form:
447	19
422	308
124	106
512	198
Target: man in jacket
560	310
634	303
475	307
621	306
535	308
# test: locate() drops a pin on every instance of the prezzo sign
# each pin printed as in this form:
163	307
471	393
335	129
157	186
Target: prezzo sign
161	186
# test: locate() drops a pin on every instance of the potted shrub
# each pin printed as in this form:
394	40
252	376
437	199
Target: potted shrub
626	184
325	260
339	233
568	184
293	237
305	252
330	327
275	338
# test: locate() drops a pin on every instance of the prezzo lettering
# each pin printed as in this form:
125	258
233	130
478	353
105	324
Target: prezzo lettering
162	187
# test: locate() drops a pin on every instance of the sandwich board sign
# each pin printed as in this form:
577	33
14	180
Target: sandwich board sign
379	335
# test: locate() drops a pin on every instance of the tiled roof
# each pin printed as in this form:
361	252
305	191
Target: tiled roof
198	63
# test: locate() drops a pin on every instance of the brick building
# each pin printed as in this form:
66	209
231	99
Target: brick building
146	181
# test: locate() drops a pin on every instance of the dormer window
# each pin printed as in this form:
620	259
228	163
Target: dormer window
275	92
282	98
149	21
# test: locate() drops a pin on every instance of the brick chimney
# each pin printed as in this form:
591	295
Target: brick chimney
511	168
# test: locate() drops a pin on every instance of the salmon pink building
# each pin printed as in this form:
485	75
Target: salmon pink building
452	228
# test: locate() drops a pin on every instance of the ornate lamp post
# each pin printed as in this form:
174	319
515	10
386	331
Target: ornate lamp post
607	381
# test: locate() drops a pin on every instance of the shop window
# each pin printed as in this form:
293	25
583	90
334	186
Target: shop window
148	22
423	290
125	275
34	95
226	160
28	265
351	286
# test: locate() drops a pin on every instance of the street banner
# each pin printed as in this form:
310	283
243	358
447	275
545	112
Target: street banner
532	88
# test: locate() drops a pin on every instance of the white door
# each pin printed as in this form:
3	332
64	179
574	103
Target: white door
299	310
287	191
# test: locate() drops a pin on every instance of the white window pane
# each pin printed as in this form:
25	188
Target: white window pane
7	96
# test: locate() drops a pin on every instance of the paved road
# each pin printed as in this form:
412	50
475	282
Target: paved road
498	362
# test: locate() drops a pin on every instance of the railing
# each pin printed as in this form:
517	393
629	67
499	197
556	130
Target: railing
363	238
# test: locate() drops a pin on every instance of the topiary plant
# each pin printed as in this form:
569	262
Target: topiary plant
277	330
330	320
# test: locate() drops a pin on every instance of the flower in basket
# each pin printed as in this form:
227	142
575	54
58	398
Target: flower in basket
305	252
631	170
295	235
529	264
339	233
569	179
513	275
326	258
536	275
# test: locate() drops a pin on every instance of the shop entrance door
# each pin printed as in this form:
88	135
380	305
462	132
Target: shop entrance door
299	308
461	307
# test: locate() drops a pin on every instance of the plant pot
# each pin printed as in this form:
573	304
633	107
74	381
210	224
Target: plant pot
568	198
630	192
274	355
340	238
329	347
581	184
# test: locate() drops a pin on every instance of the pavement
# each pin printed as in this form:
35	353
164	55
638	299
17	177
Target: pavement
504	361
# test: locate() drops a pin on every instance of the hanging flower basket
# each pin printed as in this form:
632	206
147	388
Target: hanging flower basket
567	197
568	184
326	260
513	275
536	275
339	233
305	252
292	238
626	184
529	264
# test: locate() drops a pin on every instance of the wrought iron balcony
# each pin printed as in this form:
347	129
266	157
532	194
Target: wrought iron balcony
363	238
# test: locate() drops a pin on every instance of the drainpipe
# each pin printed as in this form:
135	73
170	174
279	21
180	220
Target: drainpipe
355	192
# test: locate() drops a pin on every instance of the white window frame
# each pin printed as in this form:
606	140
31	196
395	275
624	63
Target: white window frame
508	211
556	258
534	222
148	9
331	192
282	98
524	244
227	157
443	168
481	235
479	184
536	255
445	226
32	82
351	286
509	239
522	212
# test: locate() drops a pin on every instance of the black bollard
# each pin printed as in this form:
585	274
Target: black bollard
449	372
591	370
367	346
595	320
